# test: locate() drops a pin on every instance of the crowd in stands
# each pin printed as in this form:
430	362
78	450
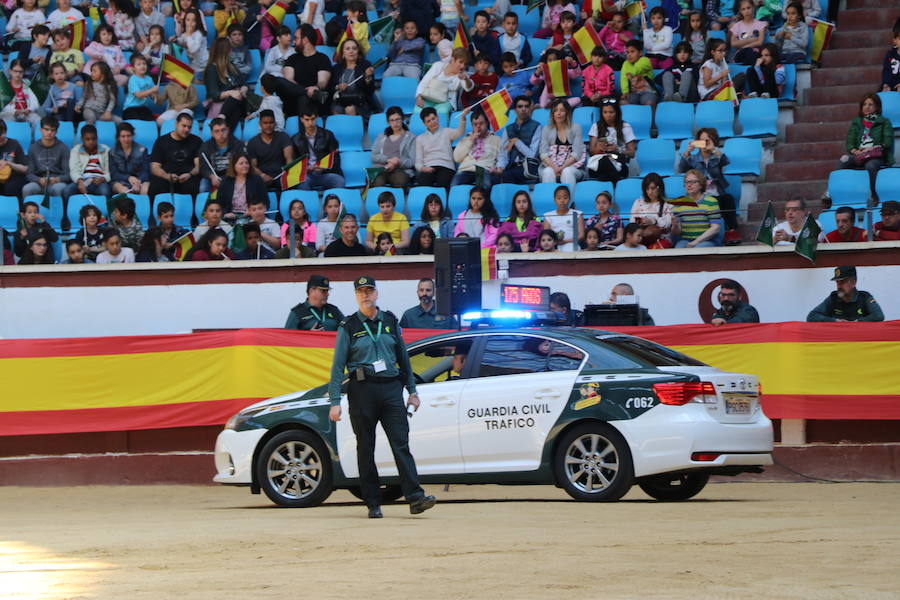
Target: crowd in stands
268	93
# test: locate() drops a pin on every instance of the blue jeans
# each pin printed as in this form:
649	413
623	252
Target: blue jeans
683	243
322	181
94	189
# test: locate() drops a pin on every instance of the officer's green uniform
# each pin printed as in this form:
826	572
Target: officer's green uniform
375	357
416	318
742	313
304	316
861	307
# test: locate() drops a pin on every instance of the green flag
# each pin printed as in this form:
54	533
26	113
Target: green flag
371	174
379	62
808	239
481	175
6	91
337	226
40	85
764	235
382	30
238	241
532	4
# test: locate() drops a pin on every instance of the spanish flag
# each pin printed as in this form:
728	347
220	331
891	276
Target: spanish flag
726	92
183	244
496	108
821	34
462	39
584	41
326	163
275	15
635	9
294	174
177	71
79	35
556	78
488	264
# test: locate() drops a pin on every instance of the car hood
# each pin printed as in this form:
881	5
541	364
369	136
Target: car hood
316	392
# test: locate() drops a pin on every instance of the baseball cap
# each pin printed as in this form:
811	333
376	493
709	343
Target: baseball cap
844	273
364	281
890	207
318	281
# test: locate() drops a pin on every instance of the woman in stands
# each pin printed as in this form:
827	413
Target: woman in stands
696	217
436	217
38	252
562	146
612	145
226	91
653	212
607	220
212	246
301	219
394	150
422	241
523	225
354	81
870	140
440	86
238	186
704	155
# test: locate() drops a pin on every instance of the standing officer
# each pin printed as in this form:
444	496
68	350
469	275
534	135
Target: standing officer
315	314
370	347
846	303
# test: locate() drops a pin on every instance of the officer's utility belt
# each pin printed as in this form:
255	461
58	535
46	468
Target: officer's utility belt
361	375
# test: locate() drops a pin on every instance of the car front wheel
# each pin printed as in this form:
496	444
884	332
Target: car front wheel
294	470
593	463
674	487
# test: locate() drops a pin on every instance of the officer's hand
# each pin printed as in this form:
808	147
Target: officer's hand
335	413
413	401
718	322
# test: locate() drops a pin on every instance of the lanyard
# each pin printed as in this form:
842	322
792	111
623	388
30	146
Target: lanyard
318	318
369	331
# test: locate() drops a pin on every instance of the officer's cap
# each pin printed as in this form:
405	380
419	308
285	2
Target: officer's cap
841	273
318	281
364	281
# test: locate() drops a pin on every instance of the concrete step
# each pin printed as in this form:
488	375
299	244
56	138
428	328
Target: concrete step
828	113
842	94
800	170
783	191
816	132
869	38
849	57
810	151
854	4
865	18
843	76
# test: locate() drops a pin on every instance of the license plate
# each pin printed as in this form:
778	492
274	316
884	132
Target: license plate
737	406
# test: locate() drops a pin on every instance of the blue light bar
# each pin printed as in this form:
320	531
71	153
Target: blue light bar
498	315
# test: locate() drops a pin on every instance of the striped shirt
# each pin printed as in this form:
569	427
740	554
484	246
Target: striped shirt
695	218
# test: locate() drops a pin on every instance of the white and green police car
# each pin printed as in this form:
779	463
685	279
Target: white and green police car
590	411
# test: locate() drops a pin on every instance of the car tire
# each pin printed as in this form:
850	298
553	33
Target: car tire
674	487
294	469
593	463
389	493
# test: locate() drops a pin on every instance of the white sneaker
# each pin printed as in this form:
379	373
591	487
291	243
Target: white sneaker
752	95
765	95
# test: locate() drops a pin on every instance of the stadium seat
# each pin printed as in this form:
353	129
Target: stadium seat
542	198
848	187
145	133
541	115
887	185
21	132
348	129
416	125
184	207
718	114
759	117
538	46
310	200
211	34
586	116
65	134
9	213
586	192
141	208
733	187
454	123
458	200
399	91
529	22
292	125
674	186
627	191
76	202
415	199
290	21
256	66
376	53
351	199
640	117
790	82
53	215
354	165
744	156
199	205
827	219
378	123
250	130
656	156
674	120
502	195
371	201
168	26
720	34
106	133
890	107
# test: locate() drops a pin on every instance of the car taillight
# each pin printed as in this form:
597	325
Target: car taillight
704	456
678	394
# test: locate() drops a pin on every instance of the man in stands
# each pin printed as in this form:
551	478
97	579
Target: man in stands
844	218
270	150
888	228
625	289
348	244
795	211
521	140
846	303
48	162
731	309
317	143
217	151
424	314
315	314
175	160
306	76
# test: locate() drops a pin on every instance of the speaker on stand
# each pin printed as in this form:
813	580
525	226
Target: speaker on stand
457	276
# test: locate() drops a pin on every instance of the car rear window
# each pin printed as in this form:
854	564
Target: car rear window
649	352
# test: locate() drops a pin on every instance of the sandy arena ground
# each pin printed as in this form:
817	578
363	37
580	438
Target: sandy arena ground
737	540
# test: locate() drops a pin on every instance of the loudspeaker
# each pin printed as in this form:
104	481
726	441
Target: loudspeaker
611	315
457	275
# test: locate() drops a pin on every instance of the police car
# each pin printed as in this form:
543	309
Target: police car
591	411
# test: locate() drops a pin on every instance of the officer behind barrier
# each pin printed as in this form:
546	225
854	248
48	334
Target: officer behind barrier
315	314
369	346
847	303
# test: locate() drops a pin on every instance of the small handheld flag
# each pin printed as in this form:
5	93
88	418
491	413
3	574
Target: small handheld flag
488	264
326	163
462	39
556	78
78	29
294	174
182	245
274	16
380	30
584	41
726	92
337	226
808	239
635	9
496	108
175	70
371	174
6	91
821	35
765	234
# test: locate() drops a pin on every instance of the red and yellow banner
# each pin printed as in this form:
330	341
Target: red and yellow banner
556	78
584	41
275	15
821	35
807	370
462	39
496	108
78	29
177	71
488	264
294	174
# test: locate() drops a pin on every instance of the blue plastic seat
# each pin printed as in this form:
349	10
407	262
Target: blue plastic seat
541	115
371	201
640	117
348	129
848	187
718	114
184	207
890	107
199	205
674	186
627	191
586	192
458	200
415	199
292	125
759	117
168	26
417	126
141	208
586	116
256	66
542	198
378	123
310	200
351	199
9	212
209	24
656	156
529	22
354	165
888	183
250	130
502	195
828	219
21	132
106	133
376	53
145	133
790	82
744	156
65	134
538	46
674	120
290	21
399	91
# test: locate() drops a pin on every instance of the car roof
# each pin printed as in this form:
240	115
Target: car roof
556	332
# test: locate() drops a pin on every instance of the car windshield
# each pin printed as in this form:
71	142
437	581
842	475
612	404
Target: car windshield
647	351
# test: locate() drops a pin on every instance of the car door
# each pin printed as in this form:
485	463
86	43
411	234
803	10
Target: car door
434	428
521	386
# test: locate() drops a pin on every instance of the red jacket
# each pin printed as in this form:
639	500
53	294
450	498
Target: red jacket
856	235
204	255
598	81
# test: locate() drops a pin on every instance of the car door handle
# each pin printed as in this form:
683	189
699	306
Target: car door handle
545	394
443	401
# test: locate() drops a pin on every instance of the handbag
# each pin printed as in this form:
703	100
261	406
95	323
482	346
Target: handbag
867	155
436	91
531	168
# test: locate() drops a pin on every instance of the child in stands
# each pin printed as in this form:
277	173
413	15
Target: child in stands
794	36
552	14
637	77
513	41
484	40
141	91
714	71
658	40
105	50
32	225
485	81
746	35
115	252
23	20
165	217
99	97
518	84
563	33
766	78
694	32
599	80
385	244
92	236
62	95
678	80
71	58
890	70
613	37
443	46
713	11
573	72
155	48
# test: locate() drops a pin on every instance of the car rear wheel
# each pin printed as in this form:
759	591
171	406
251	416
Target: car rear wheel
593	463
294	470
389	493
674	487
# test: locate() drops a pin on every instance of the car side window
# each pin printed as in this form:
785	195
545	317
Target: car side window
440	361
516	354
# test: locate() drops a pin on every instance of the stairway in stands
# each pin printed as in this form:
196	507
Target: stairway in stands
814	142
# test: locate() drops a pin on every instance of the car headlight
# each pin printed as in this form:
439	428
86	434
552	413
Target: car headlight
242	417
